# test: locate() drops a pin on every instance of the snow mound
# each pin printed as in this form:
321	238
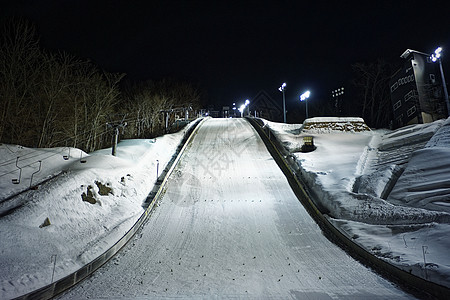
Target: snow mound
331	124
442	137
425	182
413	134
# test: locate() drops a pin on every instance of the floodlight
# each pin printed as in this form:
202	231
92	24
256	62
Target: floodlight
434	57
305	95
437	54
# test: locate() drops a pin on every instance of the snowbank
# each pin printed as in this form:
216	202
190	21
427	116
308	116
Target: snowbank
425	183
387	190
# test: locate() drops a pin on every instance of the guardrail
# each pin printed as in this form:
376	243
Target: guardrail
70	280
413	283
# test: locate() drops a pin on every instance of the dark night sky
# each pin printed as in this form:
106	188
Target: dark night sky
233	49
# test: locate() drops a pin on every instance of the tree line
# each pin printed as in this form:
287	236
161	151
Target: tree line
374	98
52	99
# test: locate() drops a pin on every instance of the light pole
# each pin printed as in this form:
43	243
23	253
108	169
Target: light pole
247	102
243	106
281	89
304	97
434	57
241	110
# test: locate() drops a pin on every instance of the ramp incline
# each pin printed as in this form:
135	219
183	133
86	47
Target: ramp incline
229	226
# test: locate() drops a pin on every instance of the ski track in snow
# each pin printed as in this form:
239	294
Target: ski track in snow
229	226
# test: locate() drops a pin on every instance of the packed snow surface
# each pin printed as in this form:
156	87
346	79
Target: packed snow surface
229	226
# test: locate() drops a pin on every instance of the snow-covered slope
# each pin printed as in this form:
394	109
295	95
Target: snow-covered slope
387	190
33	254
349	173
425	183
229	226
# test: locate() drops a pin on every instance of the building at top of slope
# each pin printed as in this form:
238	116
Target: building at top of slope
417	91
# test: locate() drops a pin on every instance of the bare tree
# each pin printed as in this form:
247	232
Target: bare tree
54	99
144	105
21	64
99	95
56	83
372	81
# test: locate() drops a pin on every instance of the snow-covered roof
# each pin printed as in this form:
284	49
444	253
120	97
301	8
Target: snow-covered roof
334	119
326	124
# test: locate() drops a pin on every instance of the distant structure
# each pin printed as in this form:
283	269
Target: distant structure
226	112
416	91
212	112
263	106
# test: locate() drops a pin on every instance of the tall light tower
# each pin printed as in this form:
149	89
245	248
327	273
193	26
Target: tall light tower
247	104
436	56
281	89
337	96
304	97
243	106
